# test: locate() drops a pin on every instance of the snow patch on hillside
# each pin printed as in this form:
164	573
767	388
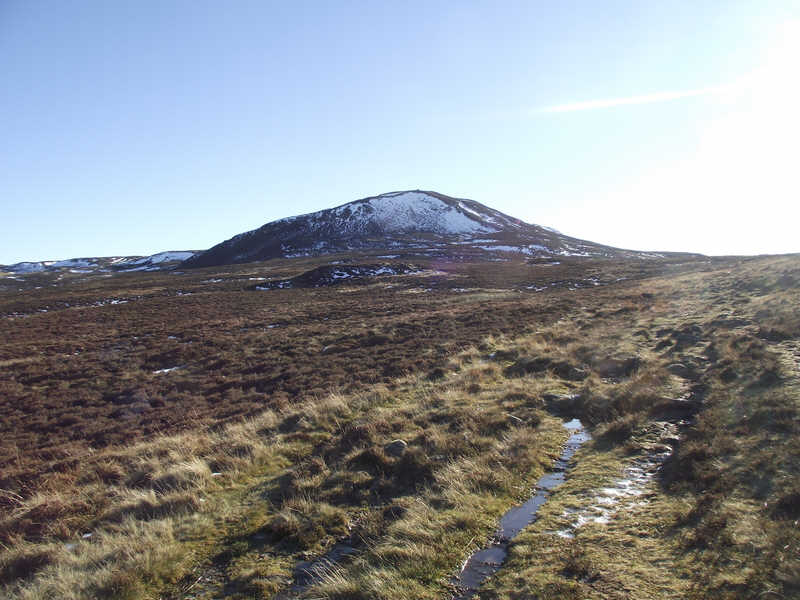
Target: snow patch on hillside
414	211
74	263
100	265
159	258
394	212
170	256
26	267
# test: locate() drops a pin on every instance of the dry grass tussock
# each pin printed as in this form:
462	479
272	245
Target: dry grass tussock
124	510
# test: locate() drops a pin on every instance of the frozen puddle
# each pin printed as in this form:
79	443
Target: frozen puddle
624	492
487	561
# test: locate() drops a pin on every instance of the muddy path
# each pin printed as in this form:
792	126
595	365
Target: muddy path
623	493
485	562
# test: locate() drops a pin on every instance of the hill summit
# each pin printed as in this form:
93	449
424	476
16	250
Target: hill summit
416	222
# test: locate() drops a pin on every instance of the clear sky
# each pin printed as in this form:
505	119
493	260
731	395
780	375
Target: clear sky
135	126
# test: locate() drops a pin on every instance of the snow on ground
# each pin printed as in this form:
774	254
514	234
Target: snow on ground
465	208
27	267
550	229
534	247
89	265
170	256
401	211
397	211
340	273
162	371
529	249
144	268
622	494
502	248
568	250
384	271
417	210
158	258
475	241
278	285
74	263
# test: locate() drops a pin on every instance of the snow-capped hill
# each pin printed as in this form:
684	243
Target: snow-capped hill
410	223
409	219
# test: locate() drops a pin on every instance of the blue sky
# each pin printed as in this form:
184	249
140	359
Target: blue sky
131	127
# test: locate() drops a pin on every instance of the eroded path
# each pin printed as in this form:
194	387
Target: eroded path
484	563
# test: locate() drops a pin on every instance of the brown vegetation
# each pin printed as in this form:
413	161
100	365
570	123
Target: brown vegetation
227	473
81	376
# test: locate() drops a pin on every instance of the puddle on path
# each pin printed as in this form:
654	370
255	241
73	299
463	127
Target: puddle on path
487	561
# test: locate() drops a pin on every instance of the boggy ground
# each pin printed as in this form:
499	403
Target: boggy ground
231	507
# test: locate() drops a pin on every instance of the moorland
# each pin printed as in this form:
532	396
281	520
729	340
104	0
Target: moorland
185	434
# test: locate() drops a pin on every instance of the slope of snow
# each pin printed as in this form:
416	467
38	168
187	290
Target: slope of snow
168	256
463	207
400	211
160	258
395	212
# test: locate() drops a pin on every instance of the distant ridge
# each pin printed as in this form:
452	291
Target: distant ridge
154	262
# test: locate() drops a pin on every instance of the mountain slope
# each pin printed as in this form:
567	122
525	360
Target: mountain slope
415	222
